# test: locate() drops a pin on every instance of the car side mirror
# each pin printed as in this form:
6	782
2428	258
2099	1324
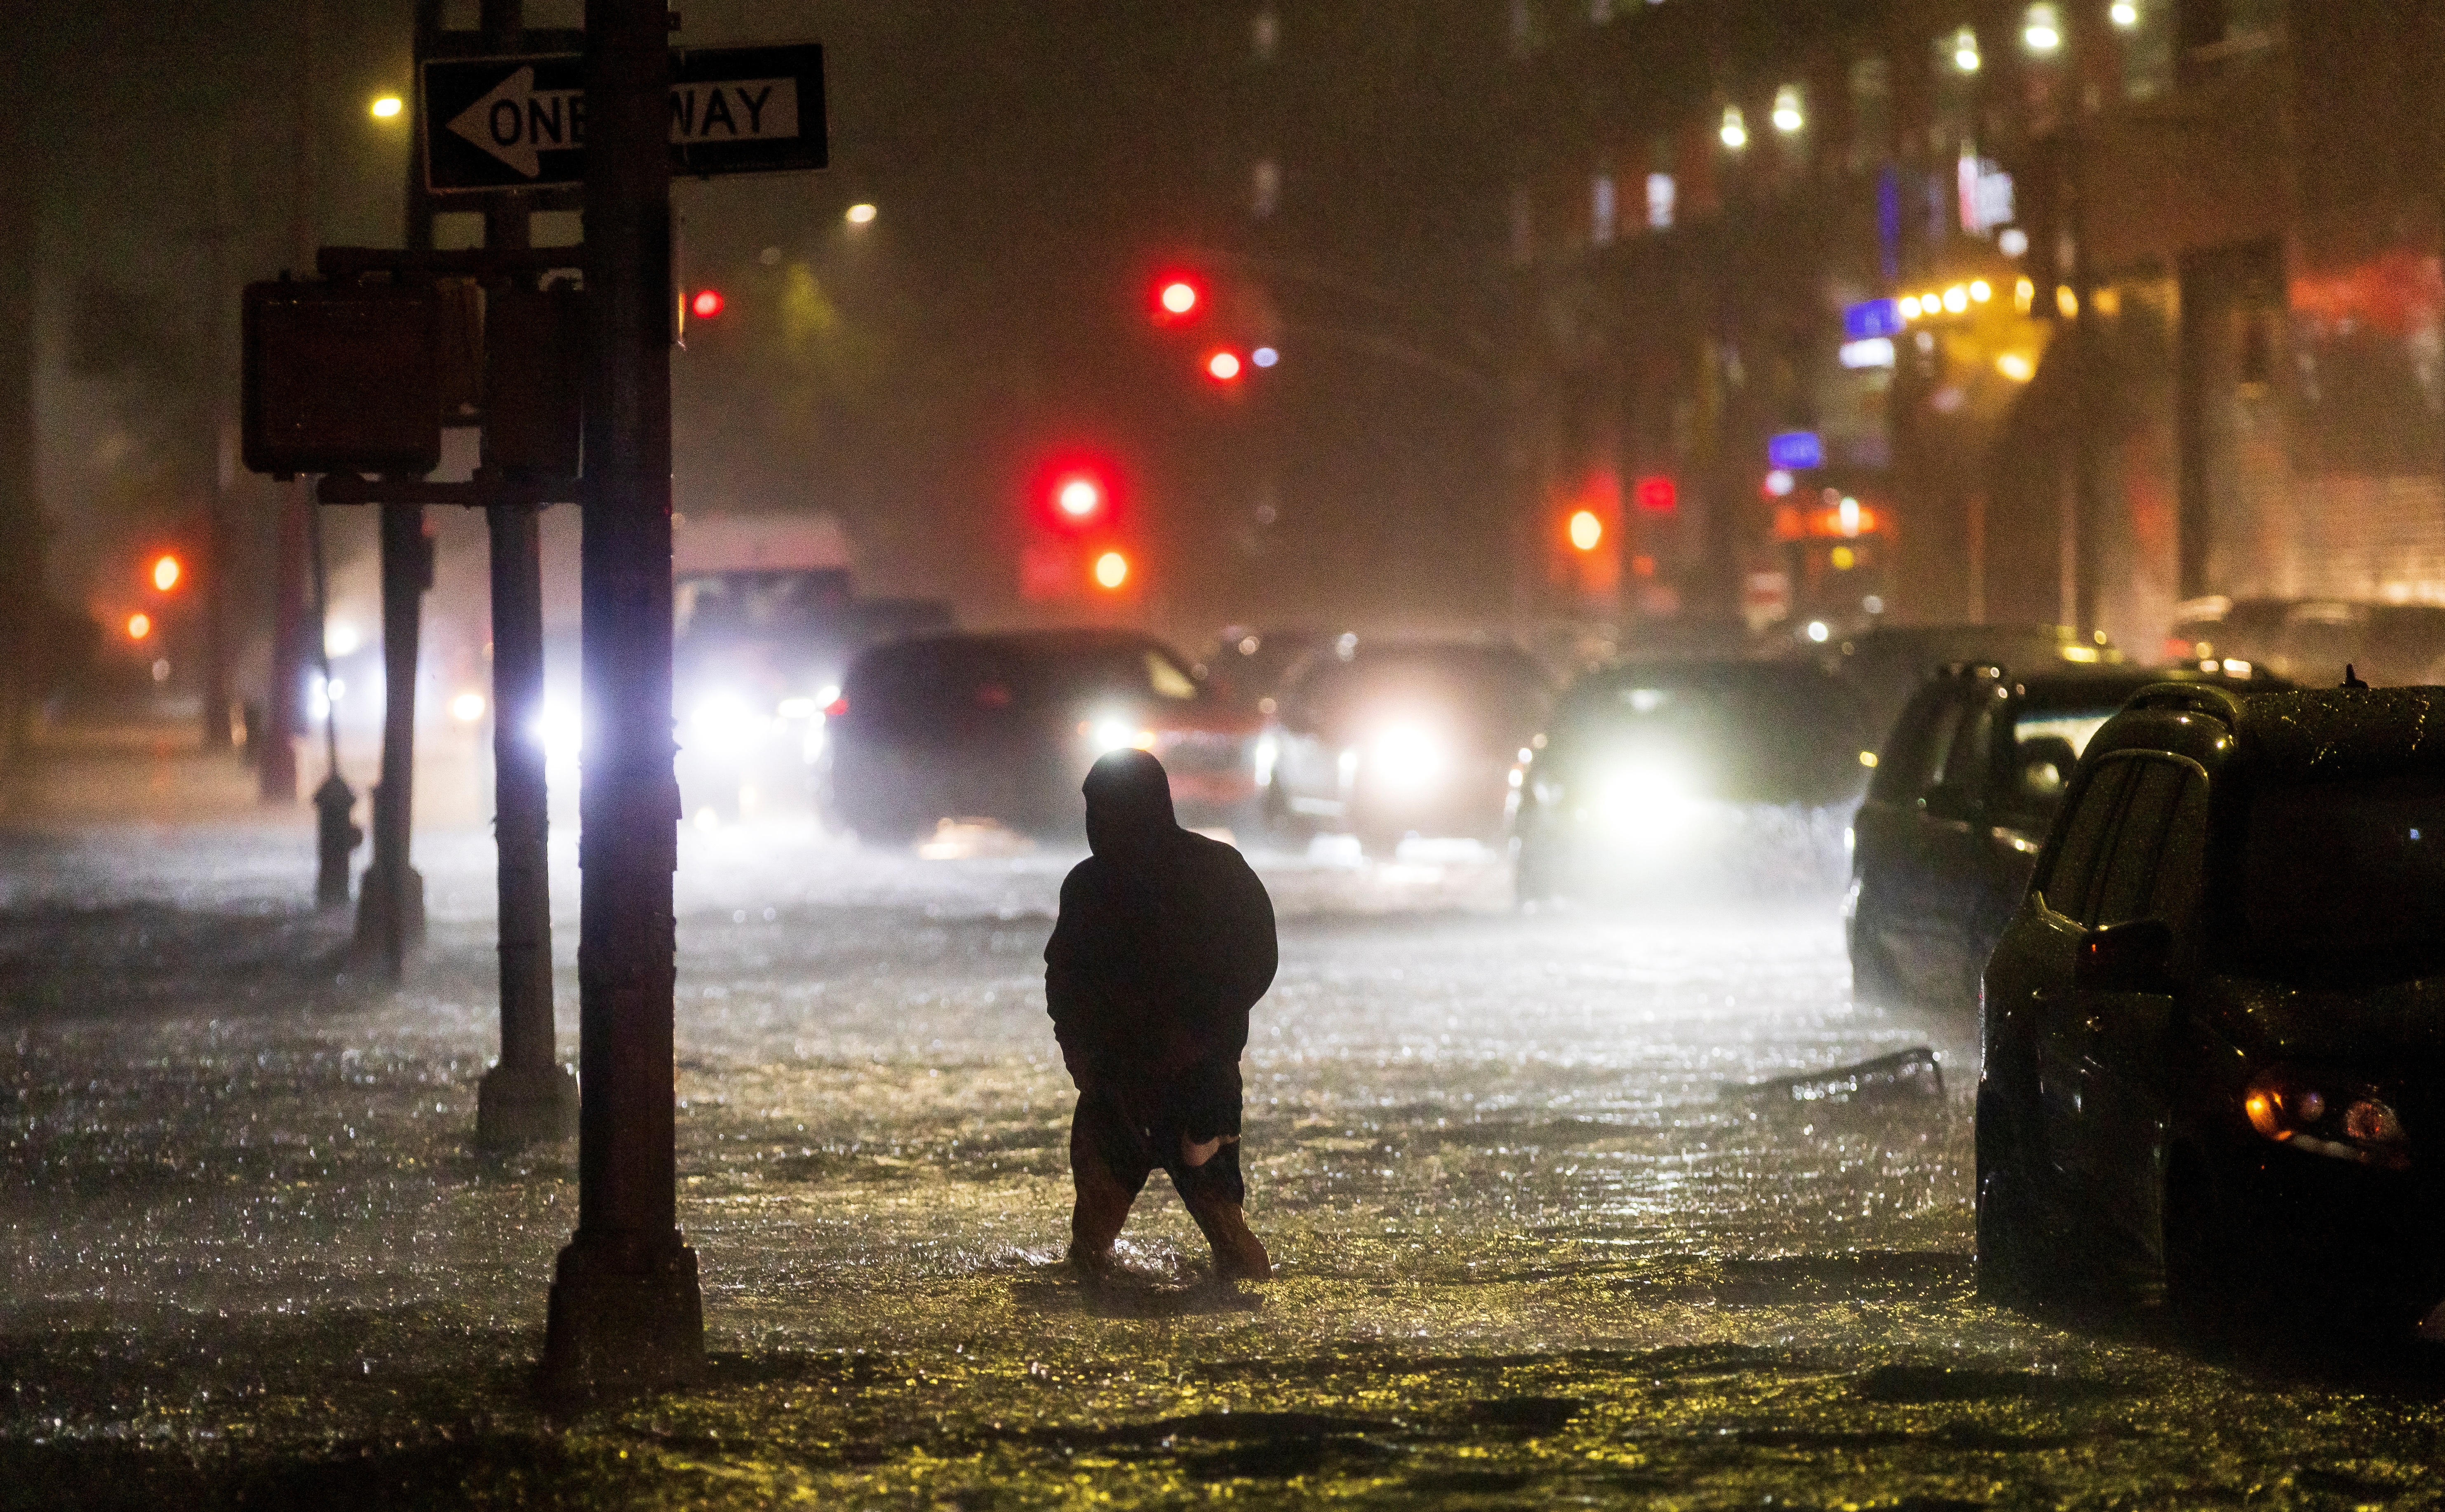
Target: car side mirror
2131	957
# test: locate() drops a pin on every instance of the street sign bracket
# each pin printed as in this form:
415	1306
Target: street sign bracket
484	264
484	490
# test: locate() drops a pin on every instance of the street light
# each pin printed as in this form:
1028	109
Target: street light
1224	367
1736	128
1965	50
166	573
860	214
387	107
139	627
1111	570
1587	530
2042	32
2123	14
1788	116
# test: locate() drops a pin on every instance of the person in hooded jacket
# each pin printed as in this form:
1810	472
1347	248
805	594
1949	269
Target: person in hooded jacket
1165	943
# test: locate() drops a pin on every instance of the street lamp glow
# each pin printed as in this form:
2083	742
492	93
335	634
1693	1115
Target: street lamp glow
139	627
1112	569
1965	50
386	106
1587	531
1910	306
860	214
1179	296
1736	129
1222	367
2042	31
2123	14
1981	291
1956	298
1788	116
166	573
2016	367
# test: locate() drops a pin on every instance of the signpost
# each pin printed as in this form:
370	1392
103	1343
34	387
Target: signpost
620	120
520	122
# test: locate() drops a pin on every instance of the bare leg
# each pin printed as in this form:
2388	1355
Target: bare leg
1104	1195
1238	1255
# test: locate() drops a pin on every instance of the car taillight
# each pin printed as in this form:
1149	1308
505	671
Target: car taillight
2335	1118
835	708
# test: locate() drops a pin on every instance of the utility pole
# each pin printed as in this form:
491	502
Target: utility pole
625	1308
276	762
526	1097
390	906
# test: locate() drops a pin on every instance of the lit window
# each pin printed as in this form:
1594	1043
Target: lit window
1264	187
1264	34
1964	49
1660	193
1736	129
1602	210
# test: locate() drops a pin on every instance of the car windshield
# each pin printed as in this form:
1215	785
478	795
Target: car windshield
2346	873
1758	734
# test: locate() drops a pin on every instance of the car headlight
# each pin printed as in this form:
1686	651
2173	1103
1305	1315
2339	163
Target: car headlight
1268	752
1113	732
2326	1115
1406	756
560	733
726	719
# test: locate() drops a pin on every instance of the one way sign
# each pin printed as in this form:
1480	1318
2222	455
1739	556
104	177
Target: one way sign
494	123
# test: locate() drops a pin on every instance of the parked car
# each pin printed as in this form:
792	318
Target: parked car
1385	741
1669	777
2215	1026
2312	641
1963	790
1887	663
1004	726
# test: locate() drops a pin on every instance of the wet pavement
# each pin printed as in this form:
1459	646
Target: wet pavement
1535	1244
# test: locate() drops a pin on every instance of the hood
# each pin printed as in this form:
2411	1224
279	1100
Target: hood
1128	805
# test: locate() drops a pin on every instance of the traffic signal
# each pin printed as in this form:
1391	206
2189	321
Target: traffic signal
1079	498
166	572
1075	493
1178	298
1111	571
706	303
1223	366
1657	496
1586	530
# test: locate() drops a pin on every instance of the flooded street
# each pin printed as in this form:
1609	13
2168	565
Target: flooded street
1535	1244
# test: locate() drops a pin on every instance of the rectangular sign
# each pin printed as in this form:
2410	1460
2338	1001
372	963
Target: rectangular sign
1794	450
1872	318
494	123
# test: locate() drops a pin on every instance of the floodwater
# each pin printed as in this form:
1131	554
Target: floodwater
1535	1247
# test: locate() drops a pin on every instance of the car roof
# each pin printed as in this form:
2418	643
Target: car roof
2102	688
1039	642
2332	733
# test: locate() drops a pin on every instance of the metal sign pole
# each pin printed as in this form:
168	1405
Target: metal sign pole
526	1096
390	905
626	1308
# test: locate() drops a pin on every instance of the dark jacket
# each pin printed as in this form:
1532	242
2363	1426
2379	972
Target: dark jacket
1166	937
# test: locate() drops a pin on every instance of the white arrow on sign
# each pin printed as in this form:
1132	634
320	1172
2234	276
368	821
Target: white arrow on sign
517	120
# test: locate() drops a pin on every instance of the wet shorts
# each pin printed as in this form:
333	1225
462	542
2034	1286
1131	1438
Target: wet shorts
1136	1131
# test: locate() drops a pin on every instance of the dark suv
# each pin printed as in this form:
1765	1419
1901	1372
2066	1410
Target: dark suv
2213	1029
1963	790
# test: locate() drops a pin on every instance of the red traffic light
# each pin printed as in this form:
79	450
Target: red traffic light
1223	366
1079	498
1177	299
706	304
1658	495
1076	493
